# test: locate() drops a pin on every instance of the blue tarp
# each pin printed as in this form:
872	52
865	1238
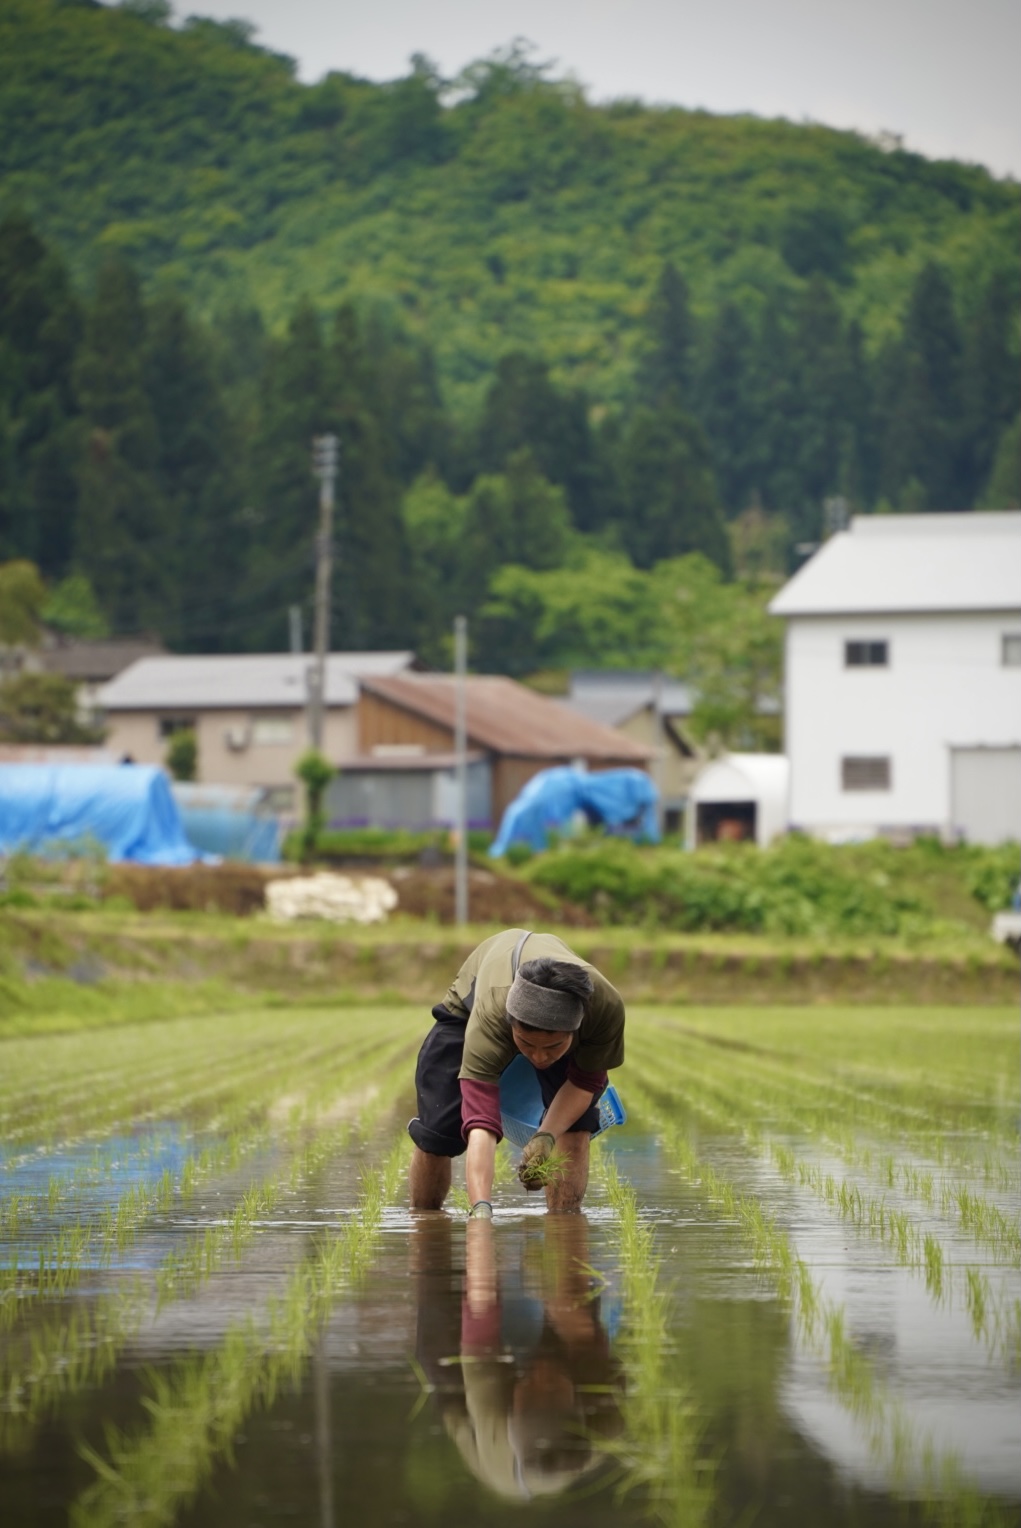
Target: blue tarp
228	821
125	809
623	800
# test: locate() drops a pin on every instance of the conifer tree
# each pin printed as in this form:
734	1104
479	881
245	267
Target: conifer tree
923	438
666	368
40	327
524	409
669	496
123	534
725	407
992	381
195	469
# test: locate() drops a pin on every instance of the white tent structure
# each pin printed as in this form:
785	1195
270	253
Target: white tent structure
740	796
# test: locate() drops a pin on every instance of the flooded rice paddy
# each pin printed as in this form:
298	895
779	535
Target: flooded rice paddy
794	1296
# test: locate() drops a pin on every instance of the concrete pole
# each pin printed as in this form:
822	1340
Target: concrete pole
461	750
326	453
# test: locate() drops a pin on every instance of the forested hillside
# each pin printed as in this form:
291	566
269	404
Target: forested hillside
551	336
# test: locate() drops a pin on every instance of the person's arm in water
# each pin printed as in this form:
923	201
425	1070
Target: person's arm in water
479	1167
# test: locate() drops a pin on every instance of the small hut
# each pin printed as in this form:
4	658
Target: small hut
740	796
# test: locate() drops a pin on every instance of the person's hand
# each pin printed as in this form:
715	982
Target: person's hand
536	1151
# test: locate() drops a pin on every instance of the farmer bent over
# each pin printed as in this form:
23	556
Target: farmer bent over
524	993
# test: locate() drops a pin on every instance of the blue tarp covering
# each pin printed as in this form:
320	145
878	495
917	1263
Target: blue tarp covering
228	821
127	809
623	800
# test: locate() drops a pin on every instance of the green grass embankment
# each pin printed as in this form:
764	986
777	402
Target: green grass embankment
62	970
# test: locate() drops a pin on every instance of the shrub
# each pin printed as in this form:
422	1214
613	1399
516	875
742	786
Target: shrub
797	887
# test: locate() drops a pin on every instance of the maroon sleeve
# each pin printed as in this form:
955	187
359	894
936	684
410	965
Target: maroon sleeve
480	1107
481	1333
592	1082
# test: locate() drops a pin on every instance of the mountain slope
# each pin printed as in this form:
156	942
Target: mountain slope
519	216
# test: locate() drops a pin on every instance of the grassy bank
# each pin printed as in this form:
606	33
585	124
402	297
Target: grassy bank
63	969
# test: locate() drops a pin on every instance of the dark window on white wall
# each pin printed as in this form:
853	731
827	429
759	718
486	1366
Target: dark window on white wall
866	654
1012	649
865	774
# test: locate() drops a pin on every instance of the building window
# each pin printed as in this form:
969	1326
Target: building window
866	654
1012	649
865	774
171	724
273	729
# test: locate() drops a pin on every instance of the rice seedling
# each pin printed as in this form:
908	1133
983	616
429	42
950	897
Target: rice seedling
33	1383
908	1455
195	1411
663	1455
549	1170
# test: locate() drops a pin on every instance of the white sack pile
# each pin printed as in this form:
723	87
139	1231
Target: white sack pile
336	898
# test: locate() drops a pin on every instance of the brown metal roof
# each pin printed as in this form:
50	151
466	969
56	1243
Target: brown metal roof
508	718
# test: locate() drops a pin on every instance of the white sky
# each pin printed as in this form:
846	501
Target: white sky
941	72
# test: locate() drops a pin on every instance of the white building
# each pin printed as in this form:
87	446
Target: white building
740	796
903	678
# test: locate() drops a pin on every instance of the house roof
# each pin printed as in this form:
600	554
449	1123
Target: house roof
246	681
506	717
744	777
611	697
893	564
94	661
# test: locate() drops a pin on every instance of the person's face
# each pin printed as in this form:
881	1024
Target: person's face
542	1046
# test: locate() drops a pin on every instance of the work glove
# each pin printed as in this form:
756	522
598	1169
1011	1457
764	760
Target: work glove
535	1152
481	1210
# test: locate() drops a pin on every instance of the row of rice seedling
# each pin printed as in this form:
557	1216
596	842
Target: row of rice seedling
663	1454
819	1088
914	1465
733	1101
994	1310
195	1411
55	1266
190	1069
41	1368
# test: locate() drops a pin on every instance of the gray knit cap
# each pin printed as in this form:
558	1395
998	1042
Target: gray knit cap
543	1007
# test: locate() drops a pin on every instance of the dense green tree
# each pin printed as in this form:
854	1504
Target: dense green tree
991	380
726	407
197	476
40	328
668	495
374	606
922	401
70	608
1003	491
525	410
665	372
41	708
514	517
22	596
123	531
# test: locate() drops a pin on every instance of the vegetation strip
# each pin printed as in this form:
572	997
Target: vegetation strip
995	1312
663	1456
196	1410
949	1497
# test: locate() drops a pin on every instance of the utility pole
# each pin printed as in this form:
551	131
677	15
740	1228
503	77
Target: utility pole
325	454
461	751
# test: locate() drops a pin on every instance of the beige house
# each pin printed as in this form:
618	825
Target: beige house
248	712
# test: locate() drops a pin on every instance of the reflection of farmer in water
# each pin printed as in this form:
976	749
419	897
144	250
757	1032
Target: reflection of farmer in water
524	1381
524	993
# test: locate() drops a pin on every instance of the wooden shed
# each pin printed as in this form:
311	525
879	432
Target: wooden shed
516	729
